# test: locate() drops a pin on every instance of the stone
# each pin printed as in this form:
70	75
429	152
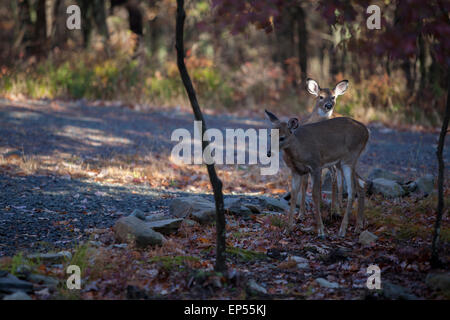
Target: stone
19	295
44	280
135	230
255	288
439	281
10	284
395	292
377	173
410	186
189	223
327	183
387	188
138	214
367	238
299	259
51	258
425	184
273	204
166	227
303	266
156	217
196	207
236	206
327	284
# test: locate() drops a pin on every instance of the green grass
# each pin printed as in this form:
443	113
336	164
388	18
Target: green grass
244	255
171	263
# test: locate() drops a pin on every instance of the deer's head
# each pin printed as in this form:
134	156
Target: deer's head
325	97
285	130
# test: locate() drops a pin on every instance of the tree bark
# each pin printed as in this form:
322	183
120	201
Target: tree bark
216	183
435	261
302	44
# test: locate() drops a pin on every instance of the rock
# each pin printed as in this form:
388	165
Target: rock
138	214
378	173
167	226
439	281
395	292
366	238
425	184
236	206
303	266
410	186
327	185
133	229
19	295
299	259
51	258
273	204
388	188
10	284
327	284
255	288
189	223
156	217
196	207
40	279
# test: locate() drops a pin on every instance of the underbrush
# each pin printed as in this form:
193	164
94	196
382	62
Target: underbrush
132	78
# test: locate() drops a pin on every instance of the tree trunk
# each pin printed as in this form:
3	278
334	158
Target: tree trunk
214	179
40	29
435	261
302	44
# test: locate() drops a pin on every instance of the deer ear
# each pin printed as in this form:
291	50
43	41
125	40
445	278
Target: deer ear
312	86
293	123
341	87
271	117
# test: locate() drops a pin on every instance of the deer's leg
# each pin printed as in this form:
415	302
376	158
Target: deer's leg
315	177
303	187
340	187
361	191
348	175
333	190
294	196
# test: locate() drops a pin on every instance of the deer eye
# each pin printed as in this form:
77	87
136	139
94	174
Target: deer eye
333	97
321	97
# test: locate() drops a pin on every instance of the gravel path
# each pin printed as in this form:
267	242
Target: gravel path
38	212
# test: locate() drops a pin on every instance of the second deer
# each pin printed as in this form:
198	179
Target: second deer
312	147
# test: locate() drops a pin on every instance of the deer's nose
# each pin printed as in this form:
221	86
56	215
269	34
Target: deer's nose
328	105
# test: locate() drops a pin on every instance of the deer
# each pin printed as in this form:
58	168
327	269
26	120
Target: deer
312	147
323	110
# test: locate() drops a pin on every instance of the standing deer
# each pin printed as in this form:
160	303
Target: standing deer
312	147
323	110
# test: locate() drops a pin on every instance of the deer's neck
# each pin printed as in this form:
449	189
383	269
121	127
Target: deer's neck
295	166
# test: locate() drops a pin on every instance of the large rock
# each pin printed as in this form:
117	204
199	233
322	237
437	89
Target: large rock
387	188
166	226
255	288
132	229
395	292
138	214
327	284
237	206
378	173
197	208
54	258
425	184
273	204
10	284
367	238
19	295
439	281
